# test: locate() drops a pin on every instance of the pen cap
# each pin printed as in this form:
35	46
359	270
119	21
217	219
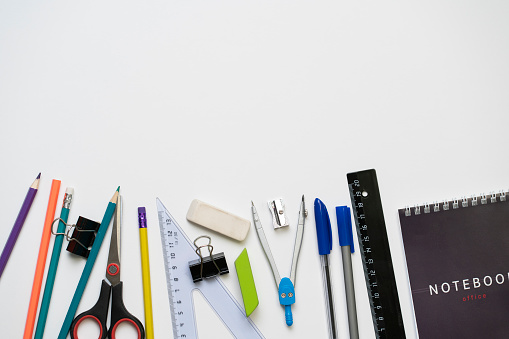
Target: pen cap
323	228
345	226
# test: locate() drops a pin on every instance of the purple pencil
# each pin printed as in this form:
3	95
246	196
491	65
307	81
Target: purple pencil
20	220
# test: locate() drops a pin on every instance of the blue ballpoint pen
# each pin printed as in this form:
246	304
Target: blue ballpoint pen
324	237
346	242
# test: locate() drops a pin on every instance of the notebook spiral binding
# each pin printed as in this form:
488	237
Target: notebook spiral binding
463	202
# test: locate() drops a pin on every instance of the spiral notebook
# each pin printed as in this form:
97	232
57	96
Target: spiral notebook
457	255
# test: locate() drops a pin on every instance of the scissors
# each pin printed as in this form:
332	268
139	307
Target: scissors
119	313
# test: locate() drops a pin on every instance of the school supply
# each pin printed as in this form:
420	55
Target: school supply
279	218
345	234
41	260
375	254
285	286
18	224
303	213
177	251
118	314
265	245
246	282
145	269
458	264
82	237
209	266
324	238
218	220
55	256
88	266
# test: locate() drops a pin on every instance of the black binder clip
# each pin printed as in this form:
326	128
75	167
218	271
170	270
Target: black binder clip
209	266
83	237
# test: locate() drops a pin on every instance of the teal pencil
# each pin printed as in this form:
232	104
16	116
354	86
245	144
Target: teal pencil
55	256
88	266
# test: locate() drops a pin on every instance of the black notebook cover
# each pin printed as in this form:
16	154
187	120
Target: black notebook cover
457	255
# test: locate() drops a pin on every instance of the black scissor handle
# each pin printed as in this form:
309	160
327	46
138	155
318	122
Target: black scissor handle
119	313
99	313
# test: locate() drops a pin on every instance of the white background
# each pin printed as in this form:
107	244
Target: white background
233	101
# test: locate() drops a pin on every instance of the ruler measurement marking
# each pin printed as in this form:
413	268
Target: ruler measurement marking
375	254
167	235
371	281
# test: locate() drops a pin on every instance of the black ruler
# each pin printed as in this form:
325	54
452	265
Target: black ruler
376	254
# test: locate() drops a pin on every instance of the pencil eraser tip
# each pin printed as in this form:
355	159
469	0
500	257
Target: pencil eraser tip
69	190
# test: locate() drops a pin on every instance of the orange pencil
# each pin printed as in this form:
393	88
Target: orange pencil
41	260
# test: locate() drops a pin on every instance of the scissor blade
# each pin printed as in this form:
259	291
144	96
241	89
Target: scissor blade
113	268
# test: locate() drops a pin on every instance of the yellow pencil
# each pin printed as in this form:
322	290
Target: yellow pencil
145	269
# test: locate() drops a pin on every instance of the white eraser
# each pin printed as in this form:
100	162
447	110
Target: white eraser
218	220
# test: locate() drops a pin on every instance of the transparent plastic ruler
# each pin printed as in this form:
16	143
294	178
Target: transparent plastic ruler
178	251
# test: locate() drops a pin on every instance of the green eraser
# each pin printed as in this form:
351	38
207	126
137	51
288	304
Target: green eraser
246	281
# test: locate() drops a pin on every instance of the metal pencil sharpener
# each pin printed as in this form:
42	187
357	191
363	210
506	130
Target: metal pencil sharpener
279	218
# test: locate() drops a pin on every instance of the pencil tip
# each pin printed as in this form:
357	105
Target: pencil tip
252	203
39	176
118	189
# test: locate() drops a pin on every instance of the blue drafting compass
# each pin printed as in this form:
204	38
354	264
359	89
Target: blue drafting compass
285	286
